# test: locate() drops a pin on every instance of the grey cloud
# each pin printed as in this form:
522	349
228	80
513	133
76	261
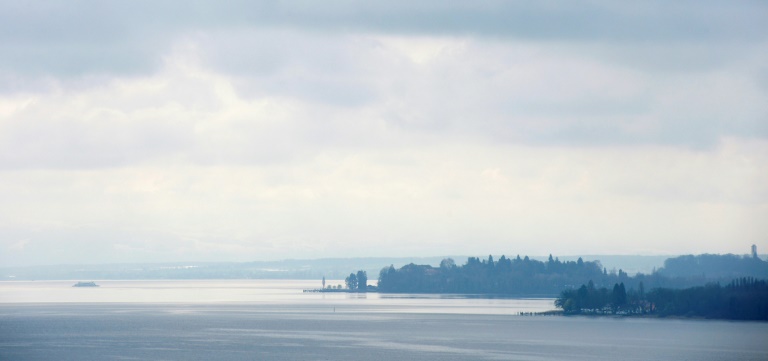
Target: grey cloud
670	58
77	37
69	39
270	49
286	63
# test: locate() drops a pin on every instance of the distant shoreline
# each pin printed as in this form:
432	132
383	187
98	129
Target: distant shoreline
452	295
334	290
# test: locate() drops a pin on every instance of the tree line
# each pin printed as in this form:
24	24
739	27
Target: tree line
528	277
742	299
675	290
592	300
507	276
519	276
357	282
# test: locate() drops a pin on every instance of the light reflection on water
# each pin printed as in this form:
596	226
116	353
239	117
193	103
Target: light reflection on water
275	320
205	331
285	293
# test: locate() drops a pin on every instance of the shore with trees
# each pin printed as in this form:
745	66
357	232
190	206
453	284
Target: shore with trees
688	286
355	282
507	276
742	299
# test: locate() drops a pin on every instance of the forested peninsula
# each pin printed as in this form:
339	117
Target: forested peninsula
507	276
687	286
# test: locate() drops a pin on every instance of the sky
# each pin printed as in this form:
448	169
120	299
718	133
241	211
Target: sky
175	131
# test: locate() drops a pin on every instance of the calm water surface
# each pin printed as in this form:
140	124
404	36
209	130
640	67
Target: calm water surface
274	320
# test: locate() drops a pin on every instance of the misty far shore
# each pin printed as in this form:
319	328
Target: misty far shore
330	268
690	286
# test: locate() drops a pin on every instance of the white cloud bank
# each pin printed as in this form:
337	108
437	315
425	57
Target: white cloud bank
242	141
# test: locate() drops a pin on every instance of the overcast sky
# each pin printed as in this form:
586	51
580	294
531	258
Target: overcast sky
147	131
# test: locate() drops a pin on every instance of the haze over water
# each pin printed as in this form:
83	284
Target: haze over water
270	293
245	320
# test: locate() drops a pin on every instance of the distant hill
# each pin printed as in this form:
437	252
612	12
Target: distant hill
330	268
722	267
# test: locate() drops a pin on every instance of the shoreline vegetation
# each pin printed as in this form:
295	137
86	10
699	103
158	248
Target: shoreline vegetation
742	299
687	286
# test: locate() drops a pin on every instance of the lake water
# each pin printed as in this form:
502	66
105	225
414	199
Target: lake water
275	320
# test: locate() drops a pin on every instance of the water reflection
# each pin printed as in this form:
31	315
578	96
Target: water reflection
280	293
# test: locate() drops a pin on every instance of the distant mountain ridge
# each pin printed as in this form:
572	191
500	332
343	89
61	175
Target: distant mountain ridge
330	268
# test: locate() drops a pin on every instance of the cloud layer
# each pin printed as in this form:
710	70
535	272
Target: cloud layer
263	131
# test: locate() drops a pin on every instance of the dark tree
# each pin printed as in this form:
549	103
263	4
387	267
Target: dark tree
447	263
587	299
362	281
618	296
742	299
351	281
